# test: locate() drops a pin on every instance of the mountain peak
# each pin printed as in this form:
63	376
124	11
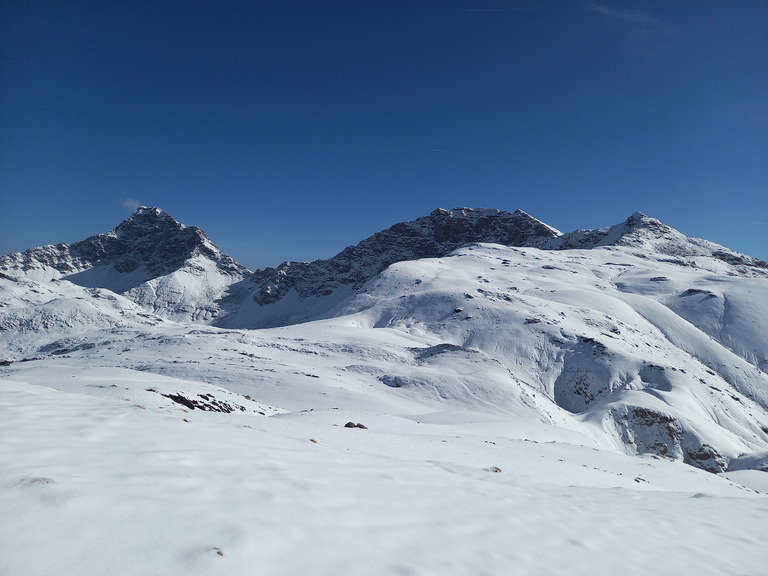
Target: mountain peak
147	212
642	220
149	221
149	243
535	222
464	225
651	237
464	212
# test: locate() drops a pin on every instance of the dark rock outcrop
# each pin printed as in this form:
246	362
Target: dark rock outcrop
431	236
150	241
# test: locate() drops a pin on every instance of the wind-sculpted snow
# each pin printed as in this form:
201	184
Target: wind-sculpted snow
103	473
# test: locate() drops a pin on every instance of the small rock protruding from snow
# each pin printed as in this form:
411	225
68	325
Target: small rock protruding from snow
353	425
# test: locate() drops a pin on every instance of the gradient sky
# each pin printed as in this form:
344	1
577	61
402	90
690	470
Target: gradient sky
290	129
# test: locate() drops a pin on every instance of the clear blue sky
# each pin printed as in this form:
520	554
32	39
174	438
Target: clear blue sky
290	129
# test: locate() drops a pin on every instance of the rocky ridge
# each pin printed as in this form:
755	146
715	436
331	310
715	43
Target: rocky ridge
288	294
431	236
175	271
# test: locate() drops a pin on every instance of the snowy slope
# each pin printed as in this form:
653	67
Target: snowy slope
513	400
571	331
96	484
488	328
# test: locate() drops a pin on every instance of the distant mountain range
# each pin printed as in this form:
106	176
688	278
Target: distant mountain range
177	272
653	341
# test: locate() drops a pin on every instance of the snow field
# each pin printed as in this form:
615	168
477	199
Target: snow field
101	484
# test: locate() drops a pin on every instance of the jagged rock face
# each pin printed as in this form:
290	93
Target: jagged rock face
150	239
431	236
651	432
167	268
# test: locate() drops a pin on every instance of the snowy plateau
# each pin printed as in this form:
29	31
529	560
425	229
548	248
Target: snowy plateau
469	393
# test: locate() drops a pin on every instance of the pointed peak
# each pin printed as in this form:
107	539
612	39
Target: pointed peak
640	220
146	209
150	213
536	222
146	219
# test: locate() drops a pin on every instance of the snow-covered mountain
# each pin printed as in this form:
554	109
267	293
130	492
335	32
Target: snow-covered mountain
162	265
301	291
467	341
655	239
298	291
428	237
617	342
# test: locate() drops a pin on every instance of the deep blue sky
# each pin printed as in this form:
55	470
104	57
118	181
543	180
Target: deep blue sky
290	129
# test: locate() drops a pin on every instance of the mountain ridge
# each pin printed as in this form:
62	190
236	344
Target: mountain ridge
176	271
435	235
256	302
647	233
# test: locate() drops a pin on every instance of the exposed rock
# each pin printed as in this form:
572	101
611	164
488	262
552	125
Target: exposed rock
431	236
353	425
647	431
150	240
206	403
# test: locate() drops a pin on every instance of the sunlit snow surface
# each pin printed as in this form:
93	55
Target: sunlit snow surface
474	460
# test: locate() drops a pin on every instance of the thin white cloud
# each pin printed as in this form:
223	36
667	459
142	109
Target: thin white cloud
630	16
130	204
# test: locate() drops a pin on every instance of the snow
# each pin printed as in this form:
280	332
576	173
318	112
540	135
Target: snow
526	411
104	485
